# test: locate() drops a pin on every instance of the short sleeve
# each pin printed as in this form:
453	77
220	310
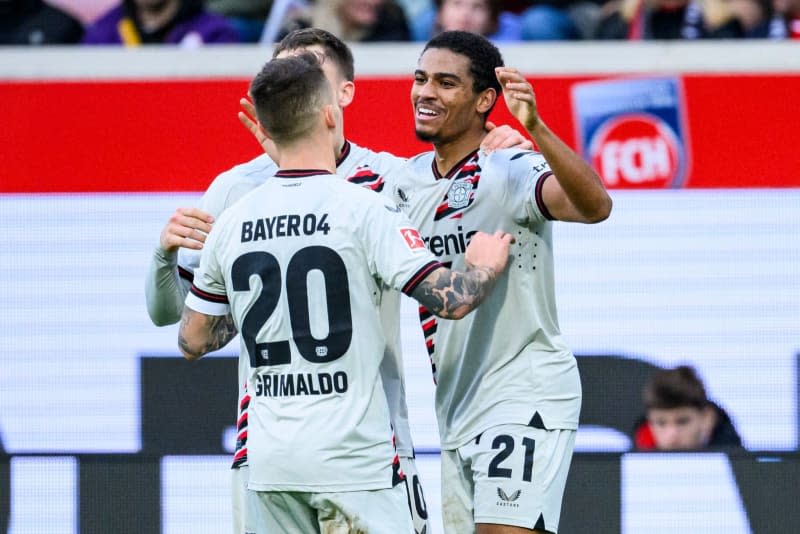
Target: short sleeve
396	251
526	174
207	294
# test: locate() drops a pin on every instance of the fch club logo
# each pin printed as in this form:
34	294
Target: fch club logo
632	131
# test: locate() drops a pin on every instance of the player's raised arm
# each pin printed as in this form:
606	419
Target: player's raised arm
453	294
200	333
576	194
165	291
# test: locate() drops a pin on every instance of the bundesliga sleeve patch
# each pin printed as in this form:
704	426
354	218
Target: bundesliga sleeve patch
412	238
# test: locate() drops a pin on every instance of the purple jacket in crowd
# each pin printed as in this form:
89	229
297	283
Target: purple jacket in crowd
191	26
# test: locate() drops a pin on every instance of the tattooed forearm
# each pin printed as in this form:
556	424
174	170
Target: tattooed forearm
200	334
453	294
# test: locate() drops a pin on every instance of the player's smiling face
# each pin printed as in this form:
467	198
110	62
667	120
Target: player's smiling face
444	101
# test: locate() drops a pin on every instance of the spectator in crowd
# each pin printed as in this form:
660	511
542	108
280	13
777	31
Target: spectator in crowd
246	16
670	19
497	20
554	20
352	20
679	415
784	23
484	17
137	22
32	22
753	15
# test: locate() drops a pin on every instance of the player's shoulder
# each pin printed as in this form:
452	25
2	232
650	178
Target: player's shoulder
513	157
364	154
420	165
423	158
368	168
231	185
253	170
356	199
513	163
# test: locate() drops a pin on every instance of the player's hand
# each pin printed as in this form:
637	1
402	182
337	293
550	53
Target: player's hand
504	136
489	251
187	228
248	120
519	96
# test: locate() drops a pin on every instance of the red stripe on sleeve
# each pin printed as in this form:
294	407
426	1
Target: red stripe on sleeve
420	276
211	297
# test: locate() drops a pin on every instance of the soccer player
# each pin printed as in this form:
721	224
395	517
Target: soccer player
178	253
297	266
508	392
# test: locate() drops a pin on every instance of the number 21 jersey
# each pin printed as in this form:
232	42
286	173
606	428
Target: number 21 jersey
506	362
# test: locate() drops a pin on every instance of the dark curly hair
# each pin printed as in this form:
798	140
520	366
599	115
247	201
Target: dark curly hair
483	57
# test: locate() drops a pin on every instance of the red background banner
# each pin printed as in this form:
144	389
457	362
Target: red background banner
168	135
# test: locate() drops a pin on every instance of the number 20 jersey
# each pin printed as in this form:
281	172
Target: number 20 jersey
506	362
299	262
361	166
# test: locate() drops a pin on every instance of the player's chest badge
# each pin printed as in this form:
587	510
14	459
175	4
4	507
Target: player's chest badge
458	196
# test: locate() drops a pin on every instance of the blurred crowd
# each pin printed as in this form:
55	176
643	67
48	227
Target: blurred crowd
196	22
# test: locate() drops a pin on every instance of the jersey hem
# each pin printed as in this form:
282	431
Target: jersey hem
333	488
465	437
510	521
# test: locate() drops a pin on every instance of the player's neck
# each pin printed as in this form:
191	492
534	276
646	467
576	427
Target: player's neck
306	154
449	153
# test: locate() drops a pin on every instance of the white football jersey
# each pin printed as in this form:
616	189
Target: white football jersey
505	362
363	167
299	262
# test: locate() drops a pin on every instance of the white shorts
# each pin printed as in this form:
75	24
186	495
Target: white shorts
413	486
415	495
509	475
383	511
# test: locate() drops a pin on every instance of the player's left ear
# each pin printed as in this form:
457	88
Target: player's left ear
347	91
486	100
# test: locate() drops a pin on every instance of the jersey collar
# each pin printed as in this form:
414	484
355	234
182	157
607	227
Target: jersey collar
454	169
344	153
300	173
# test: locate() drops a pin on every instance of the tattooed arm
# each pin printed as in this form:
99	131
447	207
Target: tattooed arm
453	294
200	333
